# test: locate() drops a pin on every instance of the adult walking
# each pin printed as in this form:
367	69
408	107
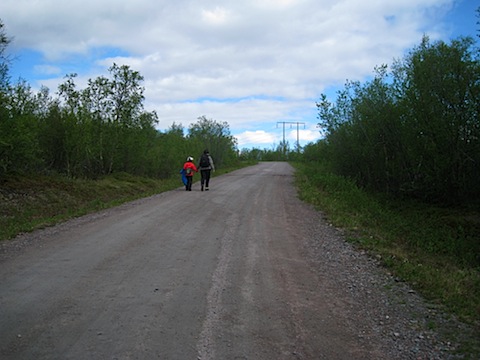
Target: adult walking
205	166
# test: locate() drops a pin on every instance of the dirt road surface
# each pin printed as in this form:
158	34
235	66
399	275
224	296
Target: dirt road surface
243	271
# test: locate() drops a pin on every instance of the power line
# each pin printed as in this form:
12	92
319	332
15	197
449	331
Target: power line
298	131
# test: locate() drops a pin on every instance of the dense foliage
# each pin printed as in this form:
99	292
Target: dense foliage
280	152
414	131
98	130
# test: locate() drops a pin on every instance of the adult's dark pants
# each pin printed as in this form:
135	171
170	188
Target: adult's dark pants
205	180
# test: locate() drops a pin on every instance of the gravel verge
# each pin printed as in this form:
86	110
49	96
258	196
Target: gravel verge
411	327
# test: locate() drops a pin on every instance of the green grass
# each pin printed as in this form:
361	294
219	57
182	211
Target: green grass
436	250
28	203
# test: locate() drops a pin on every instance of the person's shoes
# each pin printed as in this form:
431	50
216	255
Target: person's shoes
206	188
202	188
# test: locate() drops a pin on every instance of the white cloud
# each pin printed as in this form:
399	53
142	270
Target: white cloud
217	16
244	62
259	137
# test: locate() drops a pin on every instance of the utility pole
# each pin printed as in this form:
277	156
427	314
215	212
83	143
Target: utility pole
291	123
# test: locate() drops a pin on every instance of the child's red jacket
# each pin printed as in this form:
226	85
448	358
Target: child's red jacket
189	165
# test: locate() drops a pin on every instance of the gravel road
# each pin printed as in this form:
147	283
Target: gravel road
243	271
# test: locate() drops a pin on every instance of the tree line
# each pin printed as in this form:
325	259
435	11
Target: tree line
97	130
412	131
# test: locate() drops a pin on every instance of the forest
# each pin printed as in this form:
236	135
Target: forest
99	130
411	131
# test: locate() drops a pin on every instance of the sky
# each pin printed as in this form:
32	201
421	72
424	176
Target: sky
258	65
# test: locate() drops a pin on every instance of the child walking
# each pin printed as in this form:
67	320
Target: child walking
189	168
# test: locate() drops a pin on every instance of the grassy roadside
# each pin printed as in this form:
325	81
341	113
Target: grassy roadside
436	250
32	202
29	203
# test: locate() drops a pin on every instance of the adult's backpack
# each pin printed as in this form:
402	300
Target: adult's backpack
204	161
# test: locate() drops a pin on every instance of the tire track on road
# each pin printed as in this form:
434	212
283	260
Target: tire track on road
206	341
